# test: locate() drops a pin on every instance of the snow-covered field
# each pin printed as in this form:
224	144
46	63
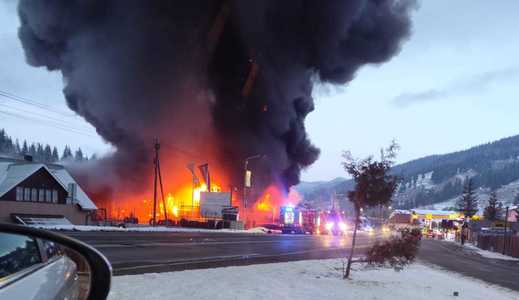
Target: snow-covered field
258	230
317	279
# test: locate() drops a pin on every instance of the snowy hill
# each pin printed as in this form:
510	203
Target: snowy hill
319	193
437	181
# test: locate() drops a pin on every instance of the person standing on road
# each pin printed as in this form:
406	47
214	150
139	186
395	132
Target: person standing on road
464	233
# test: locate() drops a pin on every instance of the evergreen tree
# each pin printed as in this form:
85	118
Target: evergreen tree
32	150
40	154
494	209
55	155
6	143
79	155
468	202
25	148
67	153
374	186
17	149
47	154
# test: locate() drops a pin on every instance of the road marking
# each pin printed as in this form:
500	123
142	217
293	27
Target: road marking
213	259
188	261
186	244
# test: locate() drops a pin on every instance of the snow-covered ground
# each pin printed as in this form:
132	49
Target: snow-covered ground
317	279
258	230
485	253
489	254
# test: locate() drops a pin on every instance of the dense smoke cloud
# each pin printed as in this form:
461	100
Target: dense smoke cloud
234	75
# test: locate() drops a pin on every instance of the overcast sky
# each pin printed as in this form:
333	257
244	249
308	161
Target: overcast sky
452	86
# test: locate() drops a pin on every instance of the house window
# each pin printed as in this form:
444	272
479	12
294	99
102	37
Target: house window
27	194
54	196
19	193
41	195
34	195
48	196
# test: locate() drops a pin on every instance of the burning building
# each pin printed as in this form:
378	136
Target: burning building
216	81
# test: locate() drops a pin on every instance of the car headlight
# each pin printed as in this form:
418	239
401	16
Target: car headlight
329	225
343	226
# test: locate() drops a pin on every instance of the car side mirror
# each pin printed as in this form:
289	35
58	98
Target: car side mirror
40	264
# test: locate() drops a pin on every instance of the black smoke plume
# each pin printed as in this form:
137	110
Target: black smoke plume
228	77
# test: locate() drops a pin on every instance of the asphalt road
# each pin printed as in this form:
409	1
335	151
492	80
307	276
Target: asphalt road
452	257
143	252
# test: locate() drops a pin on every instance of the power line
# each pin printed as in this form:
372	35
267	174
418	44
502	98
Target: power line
57	121
44	122
60	124
47	120
34	103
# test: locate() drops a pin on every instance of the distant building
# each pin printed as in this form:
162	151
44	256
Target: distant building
401	217
426	214
423	217
433	218
37	193
513	214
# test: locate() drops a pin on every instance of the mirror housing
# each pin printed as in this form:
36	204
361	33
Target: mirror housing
100	268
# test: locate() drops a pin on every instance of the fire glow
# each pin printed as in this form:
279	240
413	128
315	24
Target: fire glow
182	206
184	203
267	207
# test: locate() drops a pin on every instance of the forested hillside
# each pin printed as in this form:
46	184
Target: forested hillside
440	178
39	152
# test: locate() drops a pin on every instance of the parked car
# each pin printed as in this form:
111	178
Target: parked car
272	228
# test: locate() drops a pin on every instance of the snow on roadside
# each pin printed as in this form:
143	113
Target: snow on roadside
484	253
489	254
257	230
317	279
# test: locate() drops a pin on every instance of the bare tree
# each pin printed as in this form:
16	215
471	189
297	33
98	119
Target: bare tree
374	185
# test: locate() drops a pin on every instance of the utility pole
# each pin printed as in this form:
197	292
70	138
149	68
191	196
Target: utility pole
506	225
158	177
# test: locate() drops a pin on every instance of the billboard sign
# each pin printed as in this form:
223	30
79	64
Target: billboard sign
212	203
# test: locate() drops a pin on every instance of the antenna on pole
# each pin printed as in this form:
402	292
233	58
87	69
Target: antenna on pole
195	182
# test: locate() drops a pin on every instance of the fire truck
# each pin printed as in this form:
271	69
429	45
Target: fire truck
333	222
299	220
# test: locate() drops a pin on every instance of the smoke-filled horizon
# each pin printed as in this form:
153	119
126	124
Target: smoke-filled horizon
215	81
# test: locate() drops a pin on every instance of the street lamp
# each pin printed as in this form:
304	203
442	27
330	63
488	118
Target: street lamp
505	233
247	183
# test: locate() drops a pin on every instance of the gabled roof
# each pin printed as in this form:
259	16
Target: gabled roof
12	172
81	197
18	172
